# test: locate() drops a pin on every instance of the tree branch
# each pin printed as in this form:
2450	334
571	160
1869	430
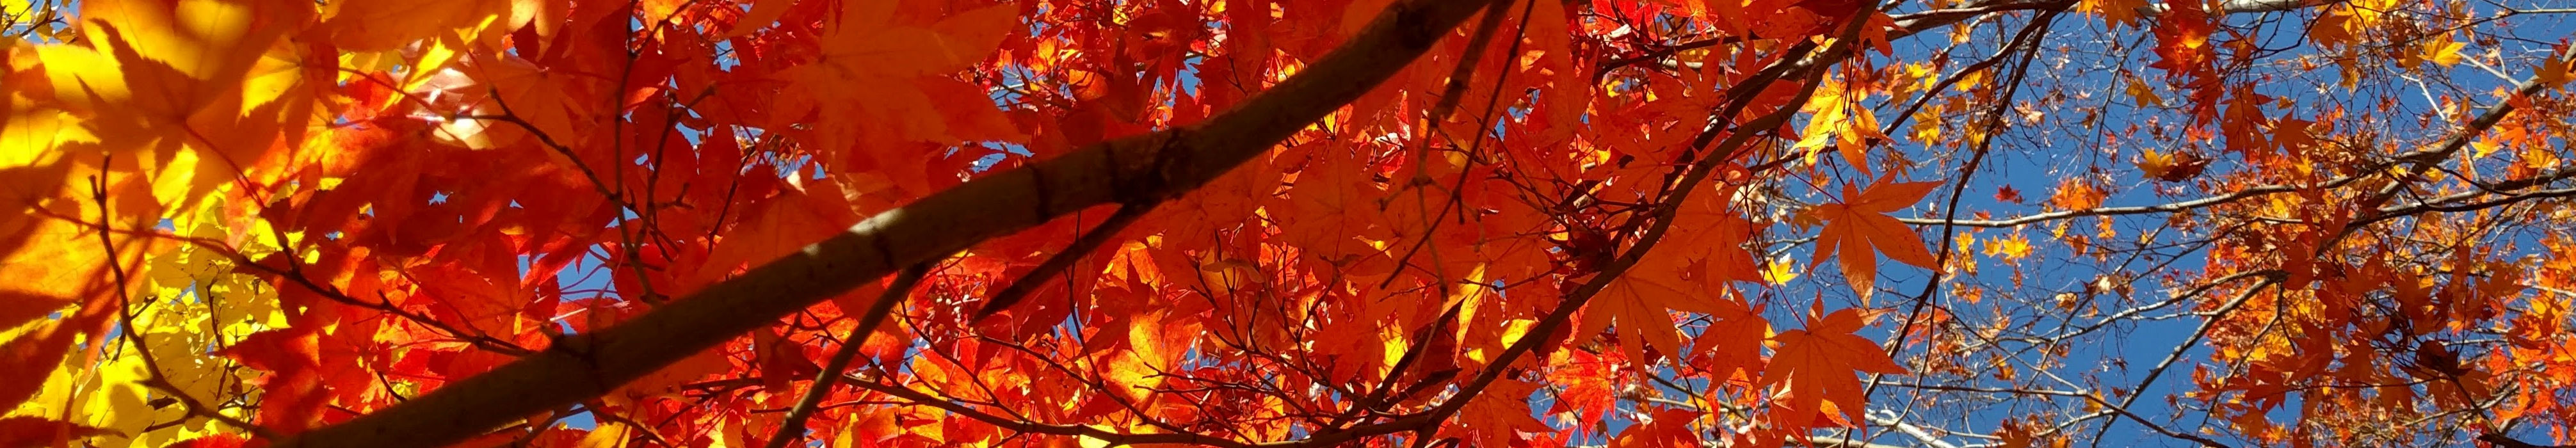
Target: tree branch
1909	24
793	429
2501	441
1134	169
1082	246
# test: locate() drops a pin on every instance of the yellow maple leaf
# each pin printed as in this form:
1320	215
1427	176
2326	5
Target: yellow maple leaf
1779	272
2011	249
1841	122
2143	93
2174	166
2445	52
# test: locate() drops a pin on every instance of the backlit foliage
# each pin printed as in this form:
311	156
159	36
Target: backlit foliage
2218	223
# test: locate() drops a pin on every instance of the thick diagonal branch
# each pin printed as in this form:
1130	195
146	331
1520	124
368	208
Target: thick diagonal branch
1141	168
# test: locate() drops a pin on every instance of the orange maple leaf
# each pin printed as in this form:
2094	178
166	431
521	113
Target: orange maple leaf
1710	235
1694	265
1638	301
2076	194
384	25
1497	415
1733	340
779	225
2114	12
1817	365
761	14
1668	428
879	71
1860	222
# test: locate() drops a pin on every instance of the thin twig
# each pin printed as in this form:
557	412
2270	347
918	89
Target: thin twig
794	426
1082	246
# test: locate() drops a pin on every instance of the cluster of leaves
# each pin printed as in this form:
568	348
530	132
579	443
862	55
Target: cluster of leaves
1548	223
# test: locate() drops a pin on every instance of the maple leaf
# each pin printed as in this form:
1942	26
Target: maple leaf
1779	272
1499	413
1699	259
1638	300
2076	194
40	431
2144	94
1590	382
1708	236
2185	54
1840	122
545	99
2439	51
1733	340
292	359
1331	209
1859	222
2011	249
877	74
2556	71
1137	371
2114	12
26	357
1667	428
761	14
2019	433
780	225
1817	368
387	25
390	233
2174	166
780	360
2333	27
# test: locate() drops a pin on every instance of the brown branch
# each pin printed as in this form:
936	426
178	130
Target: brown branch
2389	213
794	426
1007	423
2502	441
1146	167
134	335
1081	247
2023	42
2425	160
2430	153
1907	25
2118	211
2243	6
1813	441
2186	346
1912	23
1800	63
